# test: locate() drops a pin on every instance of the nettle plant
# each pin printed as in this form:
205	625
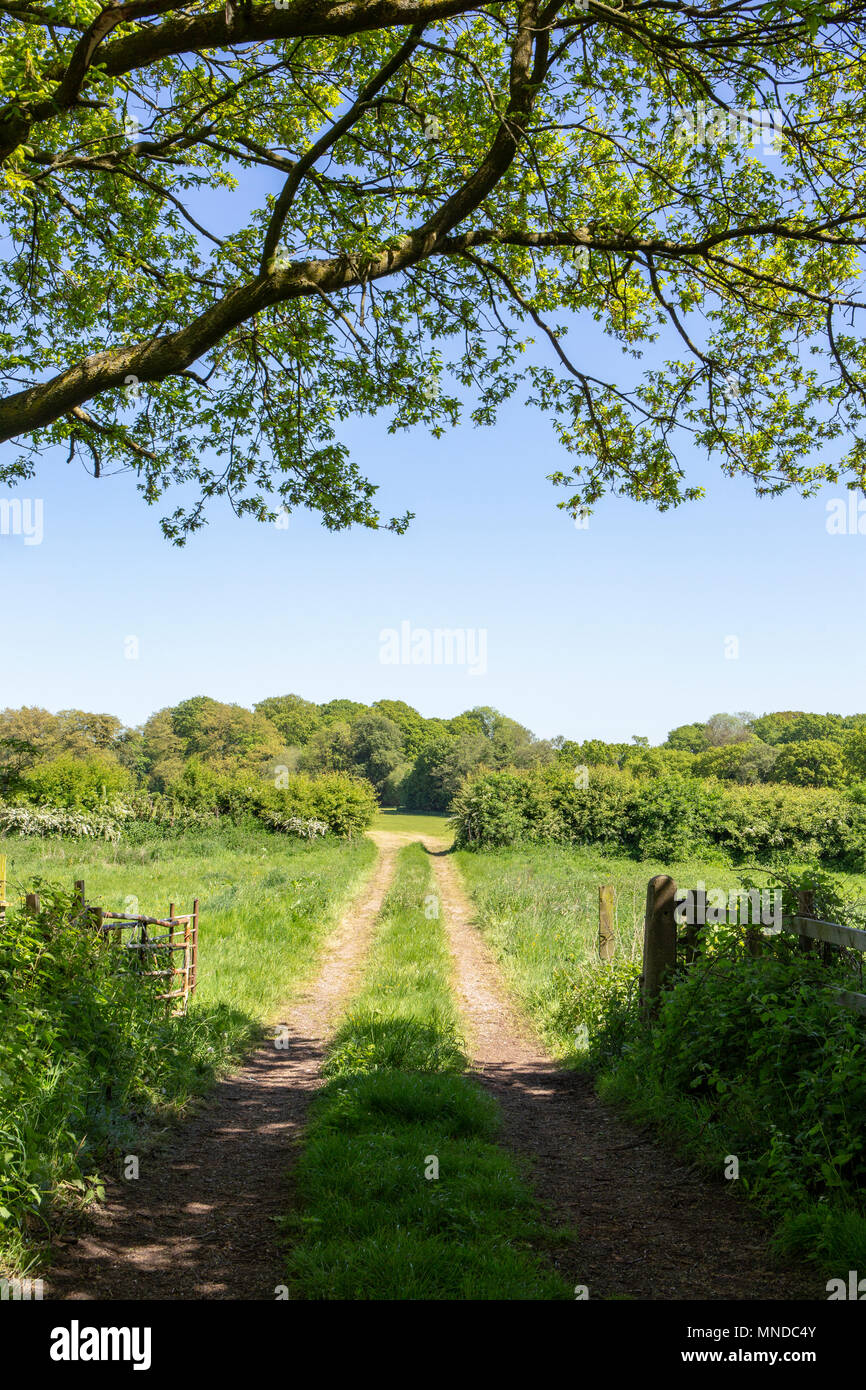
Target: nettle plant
227	229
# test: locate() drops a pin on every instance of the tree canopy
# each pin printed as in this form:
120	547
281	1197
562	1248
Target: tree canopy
409	759
448	188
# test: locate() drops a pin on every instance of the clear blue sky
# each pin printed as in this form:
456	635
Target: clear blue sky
612	631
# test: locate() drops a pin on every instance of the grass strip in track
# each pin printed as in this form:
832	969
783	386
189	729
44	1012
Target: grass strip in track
371	1223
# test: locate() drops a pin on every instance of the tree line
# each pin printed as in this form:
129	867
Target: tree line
74	757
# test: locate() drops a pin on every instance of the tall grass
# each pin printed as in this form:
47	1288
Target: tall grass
754	1060
373	1221
538	909
90	1065
265	900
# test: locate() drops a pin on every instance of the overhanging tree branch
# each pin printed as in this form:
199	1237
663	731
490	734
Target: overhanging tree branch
417	265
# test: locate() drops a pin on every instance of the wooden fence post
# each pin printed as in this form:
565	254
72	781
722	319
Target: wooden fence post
754	940
606	939
806	908
31	902
187	962
696	908
659	938
194	942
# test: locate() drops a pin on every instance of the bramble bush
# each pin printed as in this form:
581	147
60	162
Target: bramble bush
747	1056
753	1057
597	1006
669	816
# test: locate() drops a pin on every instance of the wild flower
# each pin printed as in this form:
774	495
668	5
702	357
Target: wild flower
56	820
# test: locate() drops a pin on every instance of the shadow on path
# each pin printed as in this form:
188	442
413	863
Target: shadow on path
200	1220
649	1226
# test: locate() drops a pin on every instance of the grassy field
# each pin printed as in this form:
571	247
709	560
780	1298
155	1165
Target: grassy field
430	824
265	900
538	909
403	1191
100	1075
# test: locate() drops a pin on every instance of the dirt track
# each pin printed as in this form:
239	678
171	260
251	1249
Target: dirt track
648	1226
199	1222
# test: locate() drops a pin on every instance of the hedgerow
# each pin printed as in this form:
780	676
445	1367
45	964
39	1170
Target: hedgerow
308	807
751	1058
342	802
668	816
57	820
81	784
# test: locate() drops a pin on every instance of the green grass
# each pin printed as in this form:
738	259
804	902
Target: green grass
370	1224
266	901
105	1072
430	824
538	909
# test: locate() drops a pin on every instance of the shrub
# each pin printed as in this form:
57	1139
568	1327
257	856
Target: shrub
343	803
347	804
662	817
491	810
771	1060
671	817
335	803
52	820
599	1007
76	783
770	822
598	814
86	1049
